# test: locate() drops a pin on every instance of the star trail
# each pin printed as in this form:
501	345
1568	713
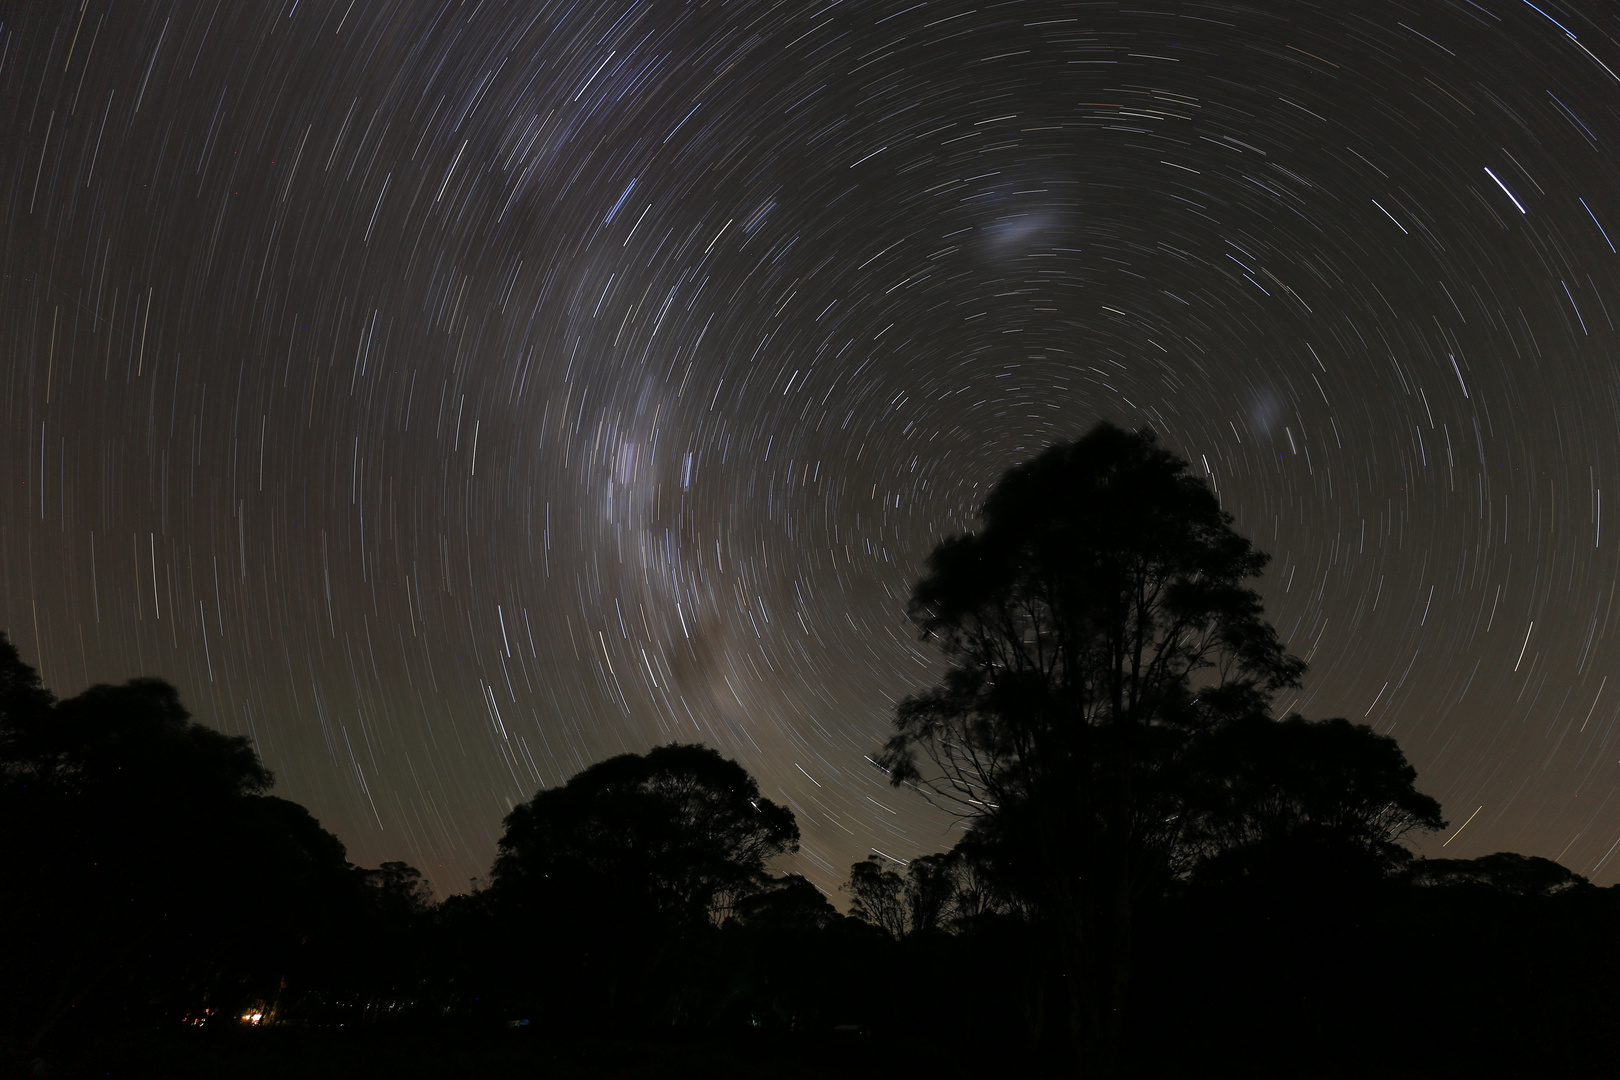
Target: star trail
448	395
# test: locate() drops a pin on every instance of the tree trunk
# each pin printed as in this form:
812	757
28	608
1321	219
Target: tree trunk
1032	1006
1088	1033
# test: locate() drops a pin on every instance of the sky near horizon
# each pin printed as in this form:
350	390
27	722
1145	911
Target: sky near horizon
449	395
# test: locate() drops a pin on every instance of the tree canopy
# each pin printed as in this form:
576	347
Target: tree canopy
1505	872
936	893
136	737
1097	628
1097	620
676	835
1295	797
153	877
1104	588
149	870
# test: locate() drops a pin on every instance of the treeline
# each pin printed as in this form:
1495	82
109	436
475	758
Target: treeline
151	884
1154	877
151	880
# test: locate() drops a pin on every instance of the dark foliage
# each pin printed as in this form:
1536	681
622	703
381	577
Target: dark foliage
789	903
1094	625
613	880
1505	872
877	895
936	894
1272	800
1151	864
670	837
150	878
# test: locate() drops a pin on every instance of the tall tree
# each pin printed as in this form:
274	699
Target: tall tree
1094	624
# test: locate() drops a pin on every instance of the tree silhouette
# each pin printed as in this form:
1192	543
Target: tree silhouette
1096	622
932	886
789	902
877	895
1506	872
1296	798
674	834
149	873
138	738
611	875
123	820
936	893
398	889
24	706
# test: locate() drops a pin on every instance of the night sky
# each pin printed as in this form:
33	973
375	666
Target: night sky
448	395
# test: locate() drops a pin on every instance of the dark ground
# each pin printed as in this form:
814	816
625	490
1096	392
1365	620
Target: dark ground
441	1054
493	1055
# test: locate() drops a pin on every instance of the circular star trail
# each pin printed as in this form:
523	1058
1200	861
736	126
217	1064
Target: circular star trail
448	395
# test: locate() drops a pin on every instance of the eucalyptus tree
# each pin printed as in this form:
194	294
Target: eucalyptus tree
1096	623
